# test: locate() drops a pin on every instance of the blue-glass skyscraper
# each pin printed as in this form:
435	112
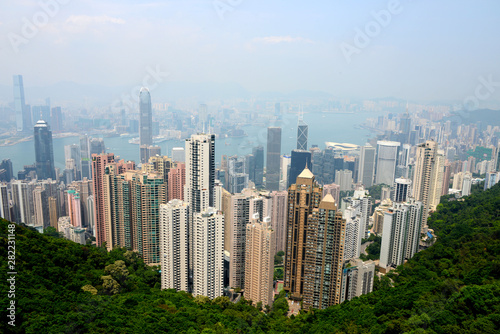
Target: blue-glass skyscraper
44	151
300	160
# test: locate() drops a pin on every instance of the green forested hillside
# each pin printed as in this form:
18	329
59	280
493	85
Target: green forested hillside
452	287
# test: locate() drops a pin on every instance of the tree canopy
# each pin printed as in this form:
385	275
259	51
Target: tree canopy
451	287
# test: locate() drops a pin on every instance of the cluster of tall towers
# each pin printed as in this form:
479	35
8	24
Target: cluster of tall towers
192	231
314	253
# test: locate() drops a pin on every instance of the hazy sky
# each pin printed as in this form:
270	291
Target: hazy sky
425	50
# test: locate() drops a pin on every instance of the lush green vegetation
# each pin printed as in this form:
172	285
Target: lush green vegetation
278	273
375	191
480	153
373	249
278	258
452	287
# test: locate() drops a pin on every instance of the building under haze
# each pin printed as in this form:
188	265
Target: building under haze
44	152
366	166
23	117
387	153
302	133
145	122
273	158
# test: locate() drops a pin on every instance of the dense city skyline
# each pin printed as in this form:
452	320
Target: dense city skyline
326	167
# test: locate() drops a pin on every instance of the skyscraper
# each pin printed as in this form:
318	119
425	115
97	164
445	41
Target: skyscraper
174	245
5	208
401	190
240	217
302	132
344	179
279	219
401	233
354	232
366	165
286	160
200	172
44	152
41	208
74	152
56	119
85	156
300	160
303	197
387	153
199	192
357	279
96	146
257	176
147	192
428	177
208	253
145	121
237	179
402	167
273	158
8	173
178	154
259	264
99	163
277	109
176	182
117	208
23	119
324	255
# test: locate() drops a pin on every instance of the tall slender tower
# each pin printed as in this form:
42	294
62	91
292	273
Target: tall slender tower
174	245
387	153
99	163
273	158
5	203
366	165
200	172
259	264
302	132
303	197
145	121
147	191
279	219
208	253
428	177
258	173
44	151
240	217
199	192
23	120
324	255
